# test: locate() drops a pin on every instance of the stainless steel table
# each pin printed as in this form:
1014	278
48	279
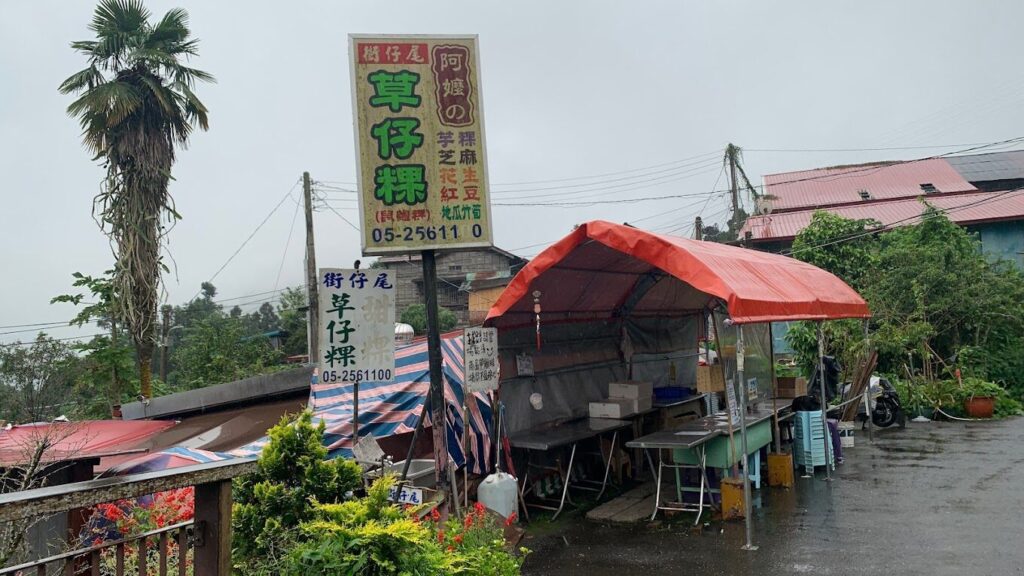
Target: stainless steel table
542	439
692	435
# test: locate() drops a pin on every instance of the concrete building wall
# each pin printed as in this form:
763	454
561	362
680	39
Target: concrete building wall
452	268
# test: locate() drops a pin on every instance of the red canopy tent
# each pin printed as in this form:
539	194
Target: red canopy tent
603	270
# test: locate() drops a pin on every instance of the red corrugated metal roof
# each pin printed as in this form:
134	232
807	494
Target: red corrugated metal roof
961	208
76	440
824	187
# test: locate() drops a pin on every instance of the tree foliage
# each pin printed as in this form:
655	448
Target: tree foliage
219	349
935	298
416	316
135	103
37	382
293	475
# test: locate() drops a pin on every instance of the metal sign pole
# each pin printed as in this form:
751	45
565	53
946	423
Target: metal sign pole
437	404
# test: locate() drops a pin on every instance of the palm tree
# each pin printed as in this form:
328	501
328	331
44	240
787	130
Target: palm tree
136	105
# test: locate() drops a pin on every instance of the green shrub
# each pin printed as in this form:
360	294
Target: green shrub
372	537
293	474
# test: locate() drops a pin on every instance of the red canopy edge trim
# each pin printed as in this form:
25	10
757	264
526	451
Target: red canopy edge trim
675	259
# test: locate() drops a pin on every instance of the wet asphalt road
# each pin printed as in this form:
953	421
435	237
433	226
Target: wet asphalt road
937	499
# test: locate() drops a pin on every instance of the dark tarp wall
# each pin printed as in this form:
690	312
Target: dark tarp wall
578	360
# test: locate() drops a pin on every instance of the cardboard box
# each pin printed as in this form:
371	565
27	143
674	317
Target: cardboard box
710	379
630	389
612	408
791	386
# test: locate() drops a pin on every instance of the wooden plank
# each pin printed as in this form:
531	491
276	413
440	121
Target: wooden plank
607	511
640	511
56	499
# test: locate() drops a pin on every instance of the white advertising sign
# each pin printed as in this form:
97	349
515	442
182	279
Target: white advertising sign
357	325
481	355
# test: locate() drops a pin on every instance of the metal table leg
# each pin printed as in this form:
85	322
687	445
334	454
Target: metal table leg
703	481
608	462
657	489
565	482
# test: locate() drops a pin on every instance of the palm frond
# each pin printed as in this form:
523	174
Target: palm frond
84	46
195	111
188	76
82	80
165	97
171	29
125	16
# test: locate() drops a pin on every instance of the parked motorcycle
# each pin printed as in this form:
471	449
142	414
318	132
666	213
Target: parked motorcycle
887	409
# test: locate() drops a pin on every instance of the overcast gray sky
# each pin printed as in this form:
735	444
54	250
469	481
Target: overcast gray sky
572	89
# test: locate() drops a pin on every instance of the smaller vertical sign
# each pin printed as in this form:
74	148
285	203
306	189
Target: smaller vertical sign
481	356
357	325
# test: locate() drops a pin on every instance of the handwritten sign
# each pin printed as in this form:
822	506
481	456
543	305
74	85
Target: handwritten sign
406	496
420	143
481	356
357	325
524	365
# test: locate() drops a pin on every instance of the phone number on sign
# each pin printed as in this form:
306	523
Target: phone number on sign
357	376
422	233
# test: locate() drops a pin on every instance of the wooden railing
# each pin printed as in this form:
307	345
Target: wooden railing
208	535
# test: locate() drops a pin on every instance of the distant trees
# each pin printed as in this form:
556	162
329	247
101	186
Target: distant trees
416	316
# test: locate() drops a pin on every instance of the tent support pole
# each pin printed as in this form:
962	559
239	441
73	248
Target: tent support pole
412	445
743	438
867	392
824	406
775	389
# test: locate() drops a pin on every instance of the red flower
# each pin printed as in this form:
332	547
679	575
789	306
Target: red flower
511	519
440	537
478	507
458	539
468	521
435	515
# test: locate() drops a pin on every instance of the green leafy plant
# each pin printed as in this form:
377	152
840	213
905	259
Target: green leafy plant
372	537
293	474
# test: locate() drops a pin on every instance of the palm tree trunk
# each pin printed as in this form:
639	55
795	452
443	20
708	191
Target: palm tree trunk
146	376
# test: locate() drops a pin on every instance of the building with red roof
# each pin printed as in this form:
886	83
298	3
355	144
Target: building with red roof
983	192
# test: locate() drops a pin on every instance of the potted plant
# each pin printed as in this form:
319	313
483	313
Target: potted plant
979	397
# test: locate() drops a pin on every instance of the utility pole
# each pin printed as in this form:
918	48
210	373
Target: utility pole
165	330
734	187
698	228
313	314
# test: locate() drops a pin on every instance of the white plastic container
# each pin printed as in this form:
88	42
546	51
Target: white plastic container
846	438
499	492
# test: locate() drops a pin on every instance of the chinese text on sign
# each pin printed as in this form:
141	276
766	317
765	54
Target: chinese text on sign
357	325
481	345
420	143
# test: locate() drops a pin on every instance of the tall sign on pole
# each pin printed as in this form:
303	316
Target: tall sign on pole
420	143
355	330
422	174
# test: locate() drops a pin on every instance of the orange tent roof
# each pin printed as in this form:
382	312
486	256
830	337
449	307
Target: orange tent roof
603	270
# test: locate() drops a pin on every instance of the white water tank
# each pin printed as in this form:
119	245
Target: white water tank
499	492
404	333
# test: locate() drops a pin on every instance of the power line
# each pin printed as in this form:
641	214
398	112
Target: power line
265	219
884	149
597	202
287	243
12	344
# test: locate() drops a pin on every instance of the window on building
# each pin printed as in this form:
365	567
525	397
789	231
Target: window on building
864	194
928	188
